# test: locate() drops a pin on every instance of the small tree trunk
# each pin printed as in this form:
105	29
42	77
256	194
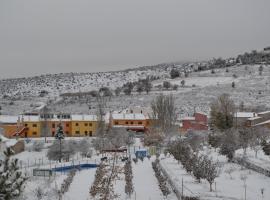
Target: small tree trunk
210	187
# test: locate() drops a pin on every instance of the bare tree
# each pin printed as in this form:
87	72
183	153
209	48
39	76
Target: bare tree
100	112
45	128
164	112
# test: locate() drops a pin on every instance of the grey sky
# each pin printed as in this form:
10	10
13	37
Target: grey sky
51	36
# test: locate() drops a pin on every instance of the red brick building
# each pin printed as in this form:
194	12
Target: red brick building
198	122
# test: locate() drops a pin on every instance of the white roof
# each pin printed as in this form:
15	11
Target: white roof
245	114
83	117
265	112
188	118
131	126
134	116
262	123
8	119
31	118
254	118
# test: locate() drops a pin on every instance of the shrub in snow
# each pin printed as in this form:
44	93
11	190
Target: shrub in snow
11	179
68	149
128	178
84	148
99	181
266	148
229	143
174	73
67	182
160	177
37	146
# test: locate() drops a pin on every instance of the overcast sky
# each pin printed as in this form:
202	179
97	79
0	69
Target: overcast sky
51	36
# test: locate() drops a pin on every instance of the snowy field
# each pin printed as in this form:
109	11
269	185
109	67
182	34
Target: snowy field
199	90
229	185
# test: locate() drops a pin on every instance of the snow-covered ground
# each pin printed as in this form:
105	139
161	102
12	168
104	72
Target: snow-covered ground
80	186
226	186
145	182
200	89
260	160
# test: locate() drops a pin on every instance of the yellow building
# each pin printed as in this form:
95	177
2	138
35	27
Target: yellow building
83	125
32	124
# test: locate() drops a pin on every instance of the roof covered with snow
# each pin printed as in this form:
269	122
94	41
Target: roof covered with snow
265	112
123	116
188	118
8	119
31	118
83	117
254	118
245	114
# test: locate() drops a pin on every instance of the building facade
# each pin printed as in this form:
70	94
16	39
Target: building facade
46	126
198	122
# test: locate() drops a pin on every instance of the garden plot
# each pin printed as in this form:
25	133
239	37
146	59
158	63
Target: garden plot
229	184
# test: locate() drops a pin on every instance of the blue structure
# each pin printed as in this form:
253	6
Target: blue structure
141	153
78	167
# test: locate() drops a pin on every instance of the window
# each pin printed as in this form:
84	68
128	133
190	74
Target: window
34	125
90	124
53	125
139	122
67	125
85	124
26	125
67	132
77	124
90	133
85	133
53	133
126	122
131	122
116	123
34	133
77	132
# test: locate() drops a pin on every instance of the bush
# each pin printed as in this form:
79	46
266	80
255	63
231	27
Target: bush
38	146
174	73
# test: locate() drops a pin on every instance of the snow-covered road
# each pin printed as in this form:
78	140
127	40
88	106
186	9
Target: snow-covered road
145	182
79	188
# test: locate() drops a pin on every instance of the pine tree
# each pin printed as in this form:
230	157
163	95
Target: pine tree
11	179
60	136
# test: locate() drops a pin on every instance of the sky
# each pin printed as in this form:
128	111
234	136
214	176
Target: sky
53	36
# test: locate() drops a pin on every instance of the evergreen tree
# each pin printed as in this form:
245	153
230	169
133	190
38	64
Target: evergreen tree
174	73
11	179
60	136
